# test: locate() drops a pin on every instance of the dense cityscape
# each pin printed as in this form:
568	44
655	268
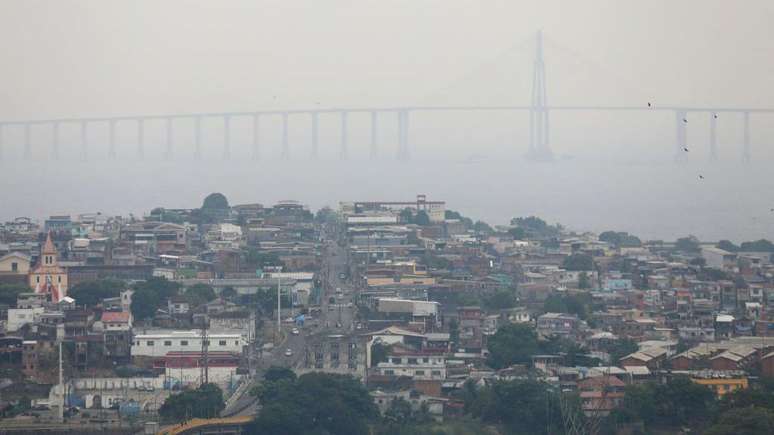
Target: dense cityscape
377	317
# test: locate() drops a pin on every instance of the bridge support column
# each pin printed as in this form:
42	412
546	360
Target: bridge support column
84	140
140	138
315	135
343	153
226	137
746	138
681	133
55	141
27	143
198	138
168	152
538	114
713	137
403	135
285	144
112	139
374	134
256	137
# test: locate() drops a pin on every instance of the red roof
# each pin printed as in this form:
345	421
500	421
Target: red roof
115	316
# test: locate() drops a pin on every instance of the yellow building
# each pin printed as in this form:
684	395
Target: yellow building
47	276
723	385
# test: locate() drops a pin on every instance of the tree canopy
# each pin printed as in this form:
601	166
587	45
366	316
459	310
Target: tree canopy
688	244
512	344
199	294
578	304
151	294
315	403
536	227
620	239
576	262
422	218
482	227
204	402
677	402
215	201
727	245
10	292
761	245
91	293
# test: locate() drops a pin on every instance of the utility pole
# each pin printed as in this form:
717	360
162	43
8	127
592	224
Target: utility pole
204	373
60	387
279	306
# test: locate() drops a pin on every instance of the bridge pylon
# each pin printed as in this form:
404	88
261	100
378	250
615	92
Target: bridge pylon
538	114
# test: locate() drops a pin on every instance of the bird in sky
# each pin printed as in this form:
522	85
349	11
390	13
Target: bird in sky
716	116
701	177
685	120
650	105
685	149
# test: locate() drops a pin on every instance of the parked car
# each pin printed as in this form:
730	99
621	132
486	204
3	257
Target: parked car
295	331
288	352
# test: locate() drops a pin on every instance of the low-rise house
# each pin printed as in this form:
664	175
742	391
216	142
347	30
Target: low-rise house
651	358
415	364
160	343
559	324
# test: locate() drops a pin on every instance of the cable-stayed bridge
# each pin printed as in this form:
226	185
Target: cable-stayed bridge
539	110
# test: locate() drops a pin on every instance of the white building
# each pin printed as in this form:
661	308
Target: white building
414	364
159	343
18	317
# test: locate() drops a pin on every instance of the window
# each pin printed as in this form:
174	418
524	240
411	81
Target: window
412	360
14	267
425	360
236	343
149	343
167	343
389	372
395	360
183	342
222	343
59	278
37	279
419	372
436	373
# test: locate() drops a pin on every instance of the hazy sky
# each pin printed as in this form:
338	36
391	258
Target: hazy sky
67	58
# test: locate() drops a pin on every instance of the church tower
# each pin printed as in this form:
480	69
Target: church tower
47	276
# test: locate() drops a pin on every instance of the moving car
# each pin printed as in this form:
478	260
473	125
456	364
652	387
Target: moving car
295	331
288	352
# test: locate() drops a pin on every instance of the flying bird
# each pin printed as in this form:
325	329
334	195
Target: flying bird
685	149
716	116
701	177
685	120
649	105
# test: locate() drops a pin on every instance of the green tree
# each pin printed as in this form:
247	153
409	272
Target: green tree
407	216
744	421
277	373
677	402
501	299
199	294
228	293
583	280
481	227
536	227
512	344
204	402
761	245
91	293
578	262
151	294
422	218
727	245
518	233
10	292
215	201
522	406
620	239
578	304
144	304
315	403
325	215
379	353
688	244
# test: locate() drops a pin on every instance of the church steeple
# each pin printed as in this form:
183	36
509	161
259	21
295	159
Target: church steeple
48	252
